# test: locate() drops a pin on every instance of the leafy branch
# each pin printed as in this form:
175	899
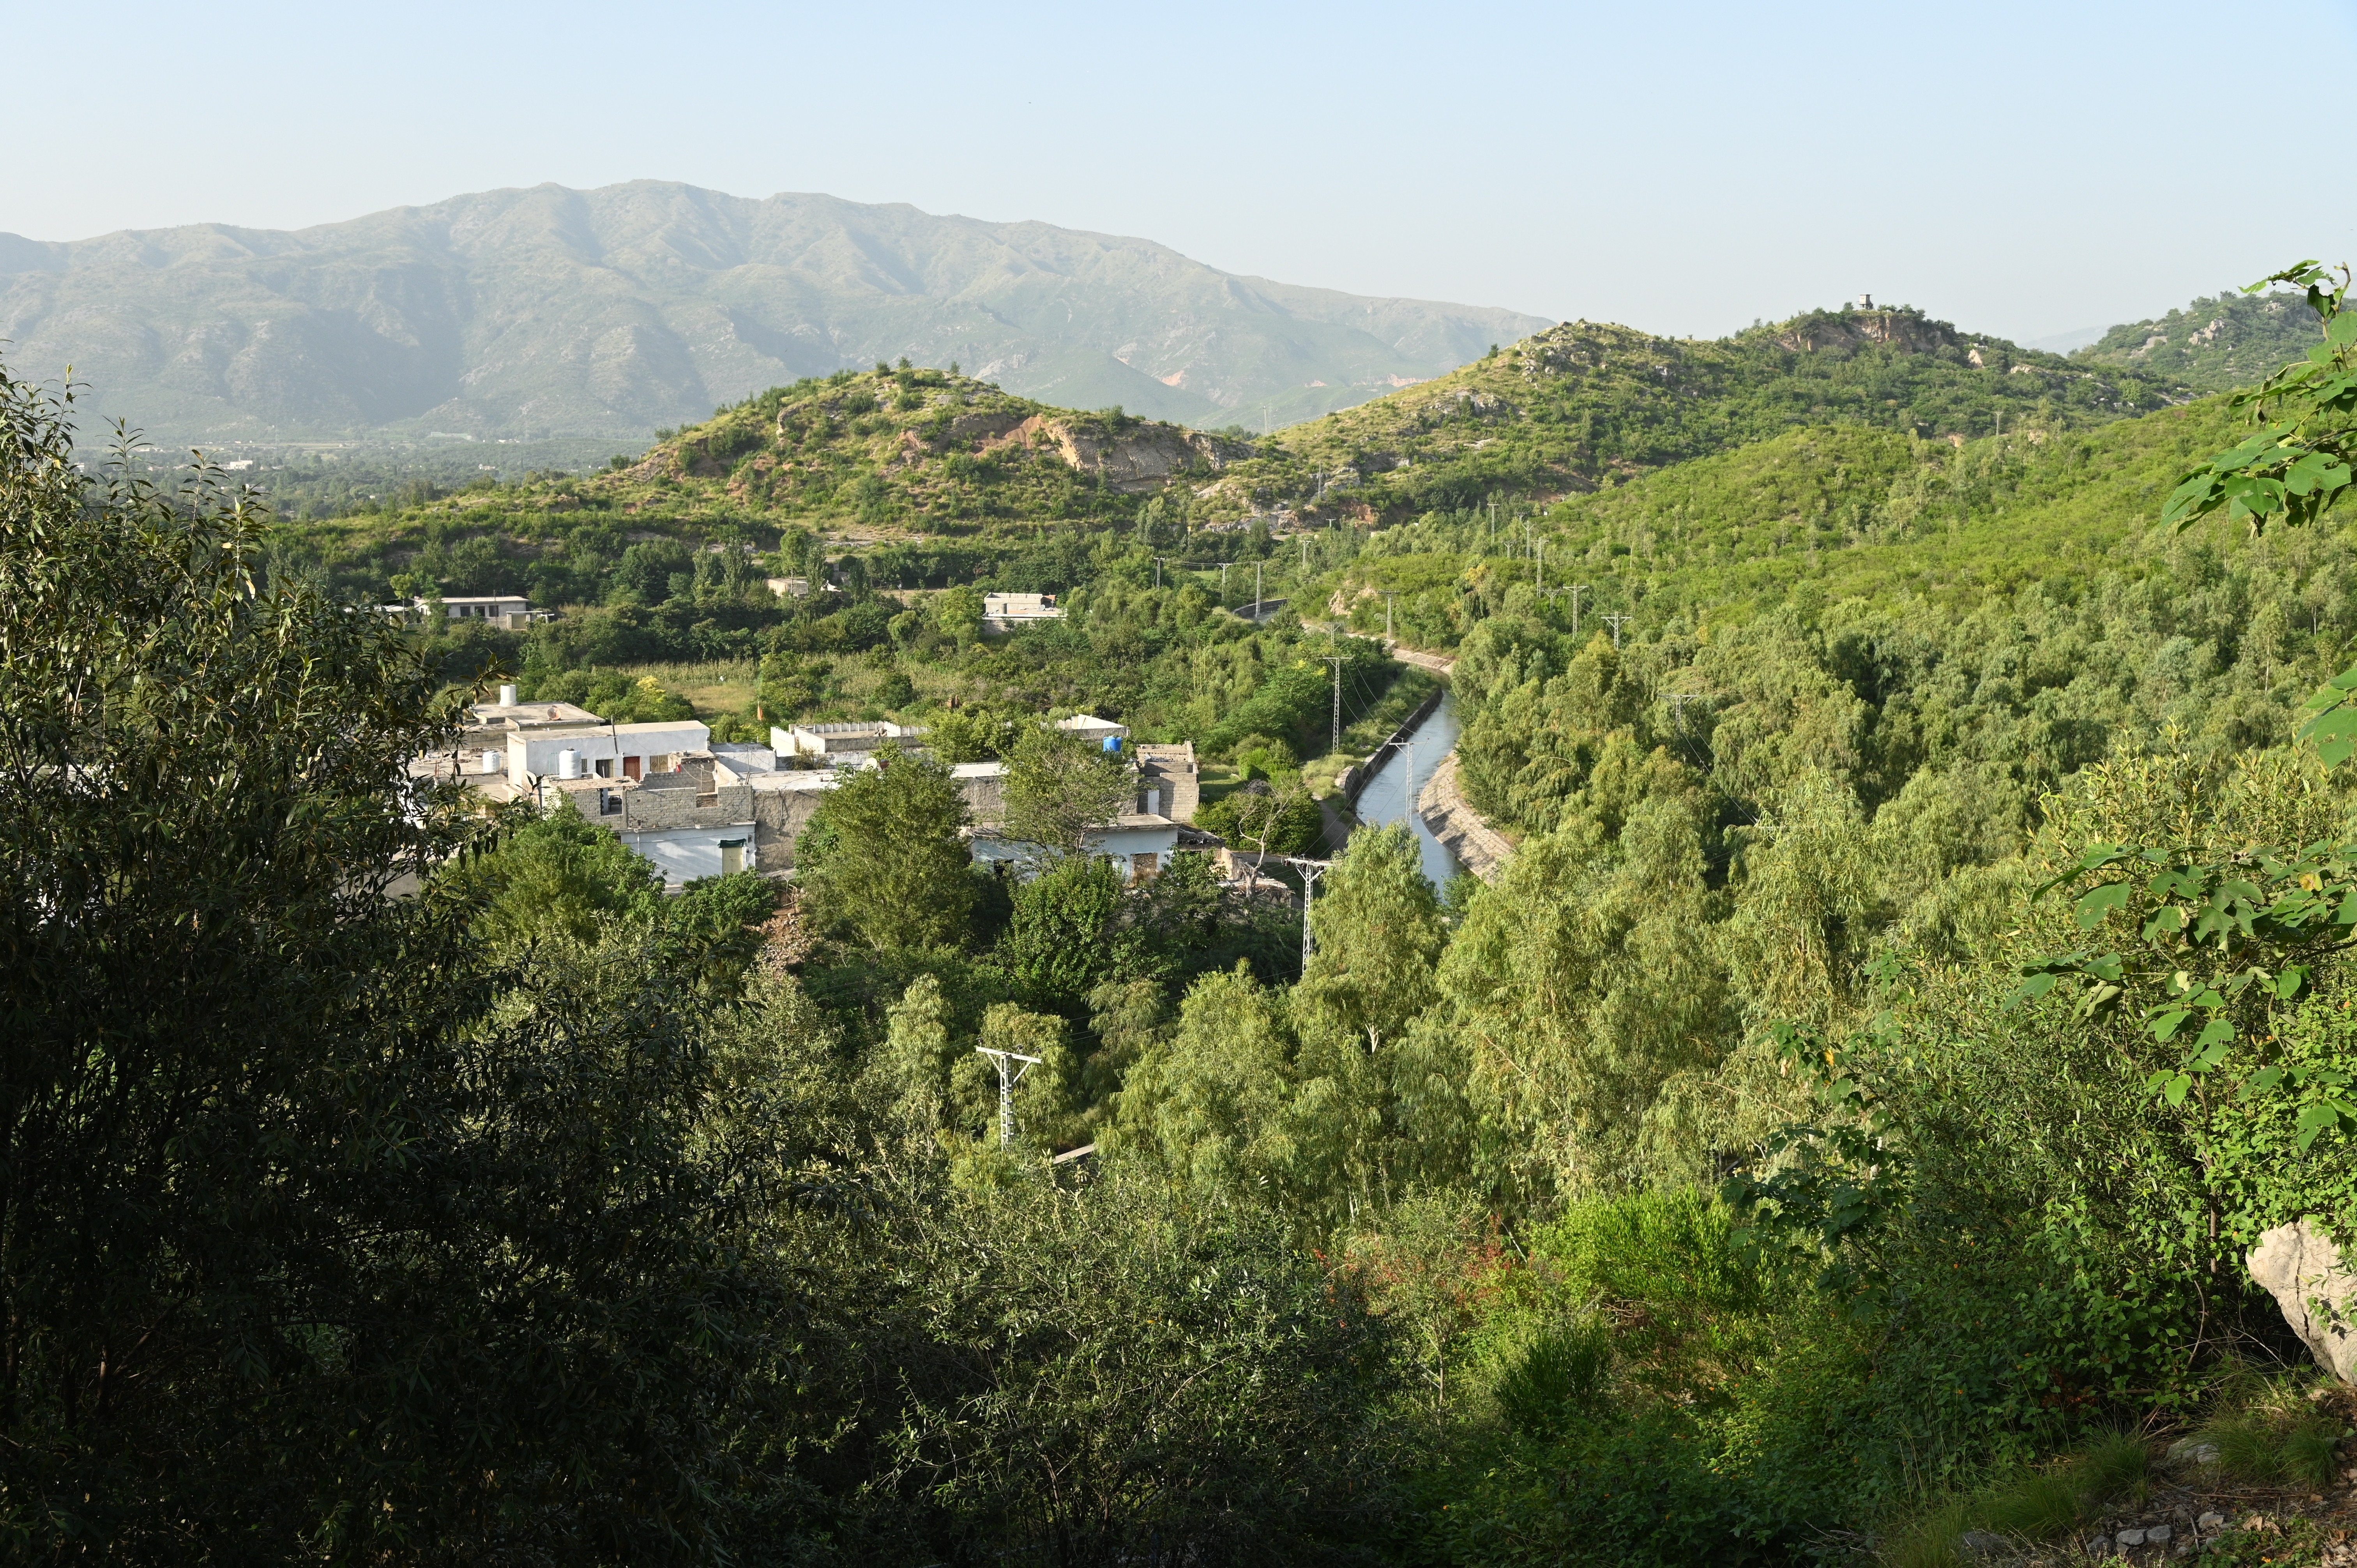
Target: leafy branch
2297	464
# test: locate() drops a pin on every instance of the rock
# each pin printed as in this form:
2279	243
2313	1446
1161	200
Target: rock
2129	1537
1981	1543
2099	1546
2210	1522
2301	1268
2160	1535
2193	1451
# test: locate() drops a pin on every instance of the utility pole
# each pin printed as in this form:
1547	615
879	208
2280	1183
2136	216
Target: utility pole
1157	571
1388	598
1336	661
1616	619
1542	568
1576	589
1256	566
1678	701
1309	869
1223	580
1009	1076
1493	520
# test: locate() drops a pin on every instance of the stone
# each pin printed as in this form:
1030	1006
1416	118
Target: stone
2302	1269
2212	1520
1981	1543
2099	1546
2193	1451
2130	1538
2160	1535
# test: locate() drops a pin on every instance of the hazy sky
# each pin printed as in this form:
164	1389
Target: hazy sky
2025	169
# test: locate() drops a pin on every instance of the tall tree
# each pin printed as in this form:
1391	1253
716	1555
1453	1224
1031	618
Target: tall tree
882	860
1059	787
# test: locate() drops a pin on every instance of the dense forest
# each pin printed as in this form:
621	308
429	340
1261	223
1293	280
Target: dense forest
1835	1132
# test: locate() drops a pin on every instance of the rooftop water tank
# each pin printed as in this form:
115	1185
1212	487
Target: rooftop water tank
568	764
507	696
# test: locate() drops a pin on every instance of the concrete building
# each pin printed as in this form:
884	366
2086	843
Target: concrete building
842	746
1004	612
1140	846
563	752
1169	784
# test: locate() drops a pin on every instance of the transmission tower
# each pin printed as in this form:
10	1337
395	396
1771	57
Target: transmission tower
1310	870
1009	1075
1336	661
1616	619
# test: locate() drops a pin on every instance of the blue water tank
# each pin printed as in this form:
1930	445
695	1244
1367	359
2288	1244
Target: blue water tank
1113	743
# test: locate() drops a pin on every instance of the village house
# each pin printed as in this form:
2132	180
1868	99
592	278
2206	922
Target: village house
843	744
1004	612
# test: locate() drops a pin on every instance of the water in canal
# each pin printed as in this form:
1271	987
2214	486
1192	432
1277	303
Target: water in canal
1388	794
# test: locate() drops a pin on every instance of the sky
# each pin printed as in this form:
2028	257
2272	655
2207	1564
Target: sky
2025	169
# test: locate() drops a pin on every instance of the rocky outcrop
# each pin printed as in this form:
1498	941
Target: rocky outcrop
2301	1267
1852	329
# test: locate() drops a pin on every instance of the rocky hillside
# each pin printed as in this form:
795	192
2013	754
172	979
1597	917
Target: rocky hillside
2217	345
550	312
915	449
1586	405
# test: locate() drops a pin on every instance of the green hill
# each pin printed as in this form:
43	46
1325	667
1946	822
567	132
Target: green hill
2233	340
1583	406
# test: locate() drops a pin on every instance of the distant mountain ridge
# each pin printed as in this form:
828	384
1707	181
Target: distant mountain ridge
609	312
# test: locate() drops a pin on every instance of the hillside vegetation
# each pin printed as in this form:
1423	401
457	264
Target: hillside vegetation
1583	406
2216	345
1920	980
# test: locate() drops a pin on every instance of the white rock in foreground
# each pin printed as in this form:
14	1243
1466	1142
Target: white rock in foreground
2301	1268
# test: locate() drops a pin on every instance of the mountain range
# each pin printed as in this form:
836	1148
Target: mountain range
610	312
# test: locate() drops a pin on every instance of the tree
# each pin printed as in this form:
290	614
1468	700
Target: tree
1376	934
1059	787
558	875
1067	934
882	859
310	1201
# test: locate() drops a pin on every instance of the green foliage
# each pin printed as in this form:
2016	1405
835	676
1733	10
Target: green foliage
558	875
1377	935
1059	787
882	862
1136	1374
2297	464
1266	820
2236	340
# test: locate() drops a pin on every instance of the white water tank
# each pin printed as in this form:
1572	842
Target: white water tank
507	697
568	764
491	761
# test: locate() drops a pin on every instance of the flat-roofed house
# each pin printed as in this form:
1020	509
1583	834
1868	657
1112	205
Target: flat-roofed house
1004	612
603	751
844	744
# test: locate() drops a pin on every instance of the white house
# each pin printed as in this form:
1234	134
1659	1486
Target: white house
1139	845
603	751
844	743
1004	612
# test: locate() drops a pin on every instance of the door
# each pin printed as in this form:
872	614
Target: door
732	856
631	766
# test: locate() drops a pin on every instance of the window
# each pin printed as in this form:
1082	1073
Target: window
605	768
1142	867
732	856
609	805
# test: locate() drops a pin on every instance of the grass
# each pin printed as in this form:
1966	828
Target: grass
2032	1503
721	686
